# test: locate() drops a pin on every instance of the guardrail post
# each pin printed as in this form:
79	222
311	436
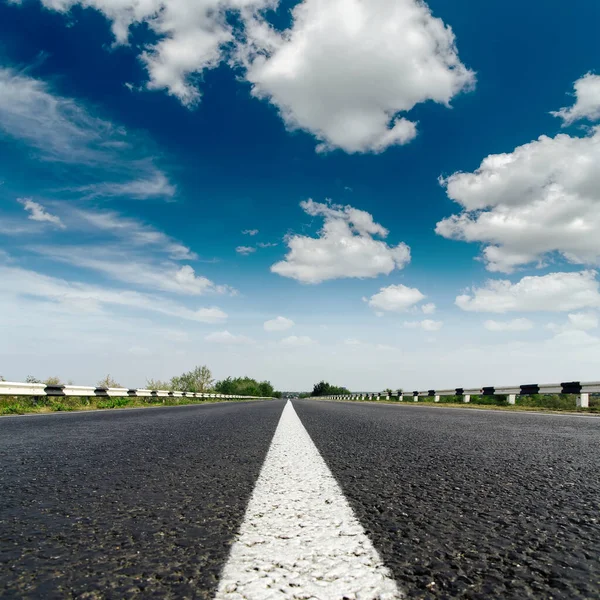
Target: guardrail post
436	398
467	398
415	396
583	400
512	398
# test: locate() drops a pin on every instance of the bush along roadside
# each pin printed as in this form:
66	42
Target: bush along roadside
19	405
556	402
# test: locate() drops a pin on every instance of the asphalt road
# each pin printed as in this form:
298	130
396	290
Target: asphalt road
146	503
126	504
466	503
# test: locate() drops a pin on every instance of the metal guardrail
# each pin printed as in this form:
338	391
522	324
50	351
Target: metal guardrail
11	388
581	389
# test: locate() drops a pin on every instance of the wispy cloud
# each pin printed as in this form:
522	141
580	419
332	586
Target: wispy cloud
38	213
135	232
133	252
245	250
136	270
250	231
154	185
60	129
18	282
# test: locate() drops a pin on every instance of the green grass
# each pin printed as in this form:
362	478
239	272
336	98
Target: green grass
552	402
20	405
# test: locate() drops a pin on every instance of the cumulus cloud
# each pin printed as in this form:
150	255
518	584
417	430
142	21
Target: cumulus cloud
224	337
425	325
297	341
245	250
429	308
514	325
395	298
587	101
347	69
541	198
552	292
189	36
345	247
278	324
583	321
17	282
38	213
344	71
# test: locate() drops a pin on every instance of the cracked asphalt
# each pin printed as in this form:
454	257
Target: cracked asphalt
146	503
129	503
467	503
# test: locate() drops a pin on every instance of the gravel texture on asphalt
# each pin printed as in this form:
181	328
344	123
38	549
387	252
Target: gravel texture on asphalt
470	504
129	503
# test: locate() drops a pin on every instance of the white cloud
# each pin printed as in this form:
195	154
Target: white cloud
425	325
543	197
250	232
38	213
297	340
278	324
140	270
343	71
587	101
63	130
266	244
245	250
17	282
552	292
514	325
395	298
583	321
345	247
428	309
190	36
347	68
576	322
154	185
224	337
135	232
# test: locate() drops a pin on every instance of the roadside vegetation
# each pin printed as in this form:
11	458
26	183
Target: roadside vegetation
552	402
325	389
198	380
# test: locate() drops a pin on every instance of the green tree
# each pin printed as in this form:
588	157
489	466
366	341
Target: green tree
199	379
53	381
108	382
32	379
245	386
325	389
157	384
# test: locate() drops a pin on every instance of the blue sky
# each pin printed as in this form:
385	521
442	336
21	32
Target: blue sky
412	227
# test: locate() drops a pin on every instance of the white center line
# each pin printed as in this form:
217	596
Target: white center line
299	538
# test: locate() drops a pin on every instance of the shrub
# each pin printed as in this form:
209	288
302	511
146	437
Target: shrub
108	382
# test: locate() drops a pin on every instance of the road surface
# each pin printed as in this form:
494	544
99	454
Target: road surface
328	500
